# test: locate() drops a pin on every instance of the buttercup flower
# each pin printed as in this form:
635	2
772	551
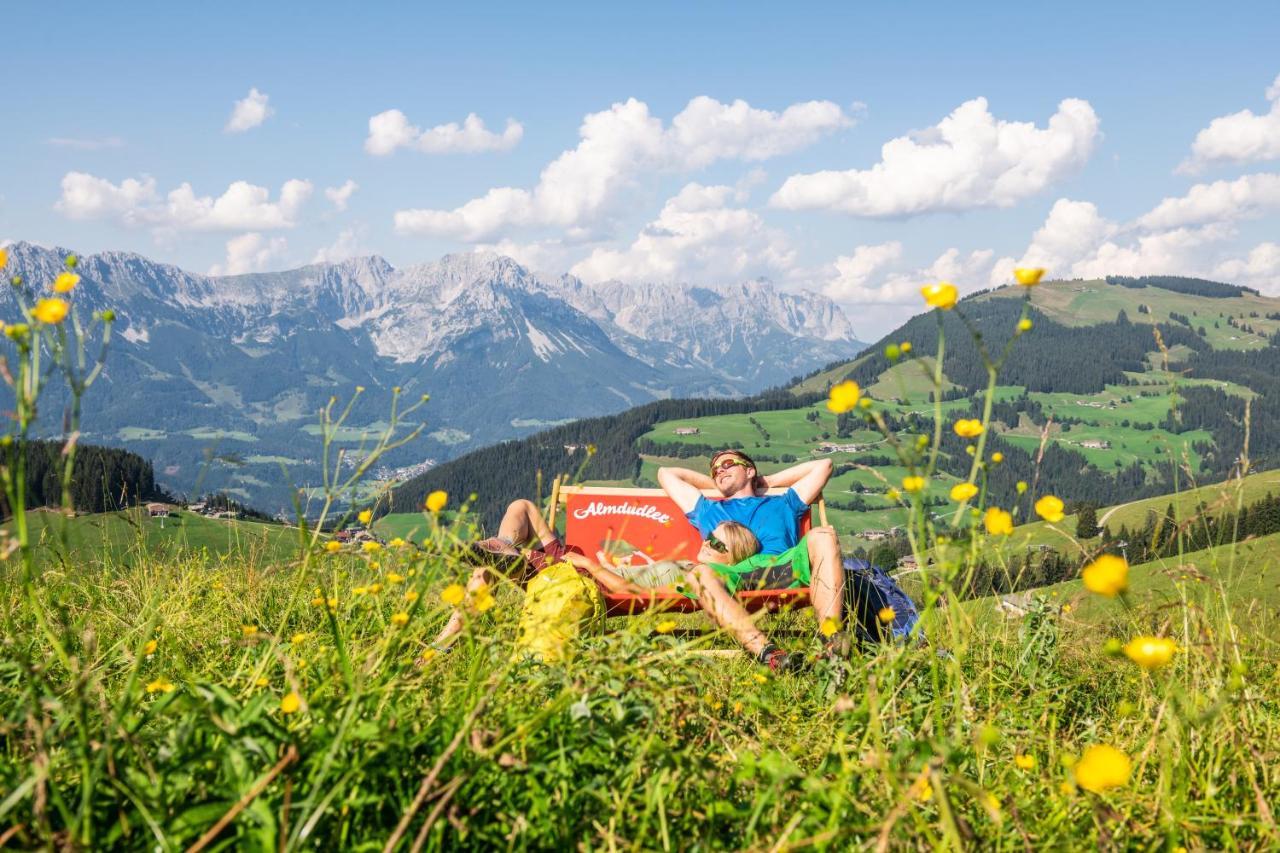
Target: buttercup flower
411	596
248	630
436	501
968	428
401	618
962	492
1024	325
941	295
1108	575
4	258
1028	276
1021	487
1024	761
483	599
50	311
453	594
365	516
395	577
290	703
905	346
1049	508
1150	652
333	546
1102	767
997	457
150	647
160	685
298	638
886	615
843	396
666	626
913	484
829	626
371	547
921	789
997	521
65	282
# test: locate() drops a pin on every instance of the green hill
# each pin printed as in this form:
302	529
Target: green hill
111	537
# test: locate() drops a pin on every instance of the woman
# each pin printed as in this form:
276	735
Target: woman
730	543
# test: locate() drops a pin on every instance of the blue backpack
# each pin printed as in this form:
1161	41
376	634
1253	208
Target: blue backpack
868	589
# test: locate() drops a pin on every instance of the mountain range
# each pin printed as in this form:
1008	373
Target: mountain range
218	379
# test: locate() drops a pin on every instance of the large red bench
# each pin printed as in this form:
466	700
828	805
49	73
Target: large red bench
622	520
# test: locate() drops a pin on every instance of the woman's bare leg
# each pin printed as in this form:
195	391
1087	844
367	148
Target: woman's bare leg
724	609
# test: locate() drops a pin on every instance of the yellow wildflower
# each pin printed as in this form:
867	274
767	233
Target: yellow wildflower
50	311
1102	767
397	542
4	258
333	546
1021	487
365	516
666	626
332	602
149	648
375	588
1028	276
760	677
65	282
905	346
359	590
968	427
962	492
482	600
411	596
261	682
829	626
1108	575
453	594
913	484
299	638
893	494
160	685
886	615
1024	325
997	521
1024	761
1050	508
941	295
290	703
1150	652
997	457
436	501
921	789
400	618
395	577
371	547
318	601
248	630
843	396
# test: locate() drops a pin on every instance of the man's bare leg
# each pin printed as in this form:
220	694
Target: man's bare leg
725	610
826	574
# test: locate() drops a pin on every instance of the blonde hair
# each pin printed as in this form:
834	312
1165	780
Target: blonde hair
739	539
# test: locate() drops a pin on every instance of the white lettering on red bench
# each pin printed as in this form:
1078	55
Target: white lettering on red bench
639	510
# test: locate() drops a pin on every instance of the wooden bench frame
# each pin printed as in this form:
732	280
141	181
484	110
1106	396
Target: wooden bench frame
630	604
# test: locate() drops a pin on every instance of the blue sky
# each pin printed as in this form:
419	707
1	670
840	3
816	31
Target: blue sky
145	93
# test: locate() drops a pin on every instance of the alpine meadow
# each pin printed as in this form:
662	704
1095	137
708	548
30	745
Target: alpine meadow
595	428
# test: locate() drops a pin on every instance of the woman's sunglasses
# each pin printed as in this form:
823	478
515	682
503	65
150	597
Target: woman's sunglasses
716	545
728	463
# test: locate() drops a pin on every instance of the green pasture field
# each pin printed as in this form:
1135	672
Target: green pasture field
139	434
207	434
102	538
409	526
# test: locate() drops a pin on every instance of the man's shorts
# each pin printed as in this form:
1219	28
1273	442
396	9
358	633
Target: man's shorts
769	571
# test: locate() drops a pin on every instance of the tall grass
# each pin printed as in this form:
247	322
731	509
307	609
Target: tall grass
203	702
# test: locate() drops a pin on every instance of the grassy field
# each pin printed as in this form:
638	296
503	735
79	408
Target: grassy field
110	537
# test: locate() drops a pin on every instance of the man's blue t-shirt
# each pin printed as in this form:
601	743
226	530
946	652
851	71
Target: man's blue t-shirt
772	518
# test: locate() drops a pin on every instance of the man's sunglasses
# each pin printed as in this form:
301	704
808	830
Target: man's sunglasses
728	463
716	545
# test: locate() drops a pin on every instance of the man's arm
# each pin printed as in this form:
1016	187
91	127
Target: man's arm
684	486
807	478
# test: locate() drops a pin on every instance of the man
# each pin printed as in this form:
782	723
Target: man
785	559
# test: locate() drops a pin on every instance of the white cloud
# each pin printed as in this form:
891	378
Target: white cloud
86	143
347	245
341	195
391	130
617	146
1076	241
696	237
249	112
969	159
1246	197
135	202
1261	269
853	273
1241	137
249	253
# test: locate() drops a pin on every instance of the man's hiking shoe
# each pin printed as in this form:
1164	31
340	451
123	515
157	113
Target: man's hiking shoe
780	661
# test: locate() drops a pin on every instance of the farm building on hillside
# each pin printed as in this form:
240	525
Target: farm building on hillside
159	510
687	430
875	535
828	447
1096	444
